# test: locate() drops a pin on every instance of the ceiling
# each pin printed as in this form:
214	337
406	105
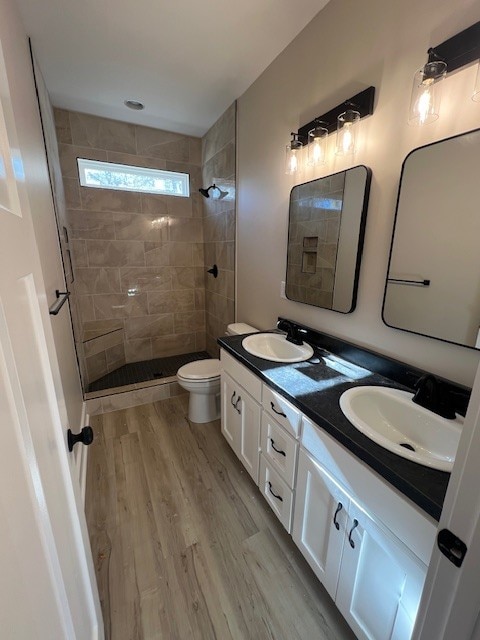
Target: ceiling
186	60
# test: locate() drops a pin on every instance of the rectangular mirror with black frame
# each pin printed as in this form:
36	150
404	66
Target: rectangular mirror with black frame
325	239
433	281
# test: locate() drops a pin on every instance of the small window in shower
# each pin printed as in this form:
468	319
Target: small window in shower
123	177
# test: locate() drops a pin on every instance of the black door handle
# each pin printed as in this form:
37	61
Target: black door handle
85	437
279	413
339	508
239	411
232	398
274	494
282	453
355	525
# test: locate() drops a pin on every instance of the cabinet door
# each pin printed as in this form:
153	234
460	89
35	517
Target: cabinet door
230	414
248	450
241	424
320	520
380	582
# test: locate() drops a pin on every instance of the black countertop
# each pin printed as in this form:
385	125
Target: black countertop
315	387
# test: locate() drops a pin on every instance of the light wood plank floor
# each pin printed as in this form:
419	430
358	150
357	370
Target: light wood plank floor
184	545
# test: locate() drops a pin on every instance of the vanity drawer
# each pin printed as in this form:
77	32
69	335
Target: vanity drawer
279	448
242	375
276	492
288	416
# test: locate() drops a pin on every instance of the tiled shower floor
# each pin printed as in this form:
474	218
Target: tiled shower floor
145	371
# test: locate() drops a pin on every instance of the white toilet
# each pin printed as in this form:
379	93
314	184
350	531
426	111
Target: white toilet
202	380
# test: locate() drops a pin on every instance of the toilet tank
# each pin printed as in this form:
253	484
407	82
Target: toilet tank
240	328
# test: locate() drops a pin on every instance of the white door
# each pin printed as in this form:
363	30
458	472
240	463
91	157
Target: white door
380	581
450	606
46	588
320	520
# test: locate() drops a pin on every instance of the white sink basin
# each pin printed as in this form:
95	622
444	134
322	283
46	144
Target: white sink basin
275	347
390	418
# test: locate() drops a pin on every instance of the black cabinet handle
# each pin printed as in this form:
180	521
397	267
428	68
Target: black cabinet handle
339	508
85	437
232	398
282	453
239	411
279	413
355	525
274	494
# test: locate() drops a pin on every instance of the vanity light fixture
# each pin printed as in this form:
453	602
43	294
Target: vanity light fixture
427	92
344	116
347	132
450	55
292	155
317	144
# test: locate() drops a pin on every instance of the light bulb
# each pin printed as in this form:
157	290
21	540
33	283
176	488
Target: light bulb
293	161
424	105
346	132
347	138
317	142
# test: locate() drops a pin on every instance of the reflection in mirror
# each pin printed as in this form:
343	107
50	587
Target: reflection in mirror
433	283
325	239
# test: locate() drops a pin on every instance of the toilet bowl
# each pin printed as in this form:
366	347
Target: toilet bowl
202	380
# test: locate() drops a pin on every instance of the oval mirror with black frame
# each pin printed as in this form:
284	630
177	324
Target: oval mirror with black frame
325	239
433	281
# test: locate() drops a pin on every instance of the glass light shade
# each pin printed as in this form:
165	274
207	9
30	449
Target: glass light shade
317	146
476	88
427	93
347	132
293	157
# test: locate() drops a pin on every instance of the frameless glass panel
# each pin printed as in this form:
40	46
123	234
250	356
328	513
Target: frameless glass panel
123	177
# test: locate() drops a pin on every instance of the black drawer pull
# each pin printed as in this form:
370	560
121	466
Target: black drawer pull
279	413
274	494
282	453
355	525
232	398
339	508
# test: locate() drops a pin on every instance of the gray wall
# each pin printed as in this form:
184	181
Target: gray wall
347	47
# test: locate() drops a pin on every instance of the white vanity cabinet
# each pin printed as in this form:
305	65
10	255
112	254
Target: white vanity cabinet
241	412
367	543
375	579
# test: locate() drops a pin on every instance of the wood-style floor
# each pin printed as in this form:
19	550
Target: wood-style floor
183	543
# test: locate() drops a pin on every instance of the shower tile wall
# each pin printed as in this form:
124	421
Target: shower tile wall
138	258
218	153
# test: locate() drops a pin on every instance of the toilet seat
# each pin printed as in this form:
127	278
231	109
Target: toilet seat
200	370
